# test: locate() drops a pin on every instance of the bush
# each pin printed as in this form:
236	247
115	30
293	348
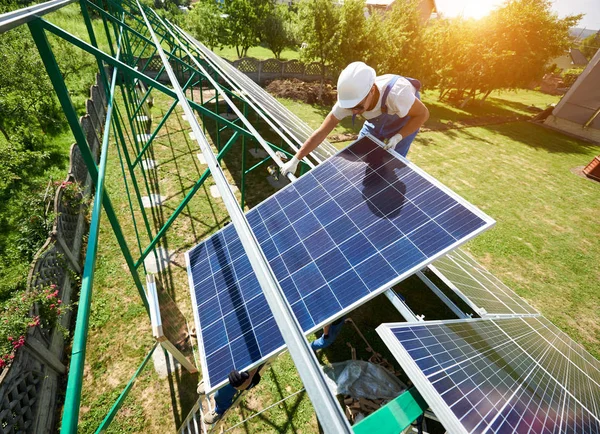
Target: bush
570	75
17	318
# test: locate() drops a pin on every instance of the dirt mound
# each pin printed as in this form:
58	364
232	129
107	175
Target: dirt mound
304	91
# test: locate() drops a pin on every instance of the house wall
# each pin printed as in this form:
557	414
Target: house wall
580	104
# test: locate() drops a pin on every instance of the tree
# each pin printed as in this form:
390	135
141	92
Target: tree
525	35
590	45
508	49
277	32
405	50
27	100
353	38
319	24
244	23
205	23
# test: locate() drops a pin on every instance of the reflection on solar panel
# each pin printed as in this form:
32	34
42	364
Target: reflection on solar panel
478	287
341	234
510	375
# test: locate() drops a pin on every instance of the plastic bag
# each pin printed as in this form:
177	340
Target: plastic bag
361	379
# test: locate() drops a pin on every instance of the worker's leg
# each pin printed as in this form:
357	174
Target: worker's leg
224	398
326	340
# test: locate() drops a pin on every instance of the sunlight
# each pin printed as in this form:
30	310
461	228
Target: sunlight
467	8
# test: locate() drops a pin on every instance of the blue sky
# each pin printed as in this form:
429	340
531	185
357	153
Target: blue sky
479	8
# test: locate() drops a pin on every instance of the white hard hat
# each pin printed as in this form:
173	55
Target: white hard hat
354	84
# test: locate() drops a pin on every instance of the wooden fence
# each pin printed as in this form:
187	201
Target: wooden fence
260	71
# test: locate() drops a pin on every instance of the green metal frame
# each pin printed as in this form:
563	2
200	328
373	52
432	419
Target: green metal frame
122	68
130	129
395	416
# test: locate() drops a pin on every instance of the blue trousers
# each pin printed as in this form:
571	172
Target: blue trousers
224	396
322	342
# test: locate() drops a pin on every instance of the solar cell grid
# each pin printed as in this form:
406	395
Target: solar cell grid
511	375
478	287
336	237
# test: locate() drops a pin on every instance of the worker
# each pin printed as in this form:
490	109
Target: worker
390	104
243	380
246	380
330	332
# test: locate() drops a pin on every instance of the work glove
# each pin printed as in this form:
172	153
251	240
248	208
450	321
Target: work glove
237	378
290	166
393	141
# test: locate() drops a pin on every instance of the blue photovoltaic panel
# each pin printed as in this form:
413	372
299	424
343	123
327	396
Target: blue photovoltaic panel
479	288
512	375
339	235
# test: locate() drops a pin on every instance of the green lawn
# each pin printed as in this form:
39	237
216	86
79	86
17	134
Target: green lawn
260	53
543	246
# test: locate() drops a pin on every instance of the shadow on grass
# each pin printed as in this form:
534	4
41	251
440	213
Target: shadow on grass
538	137
183	397
289	407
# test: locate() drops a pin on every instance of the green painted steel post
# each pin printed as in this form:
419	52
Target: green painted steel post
395	416
72	400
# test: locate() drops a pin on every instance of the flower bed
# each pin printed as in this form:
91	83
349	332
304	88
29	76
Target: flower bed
38	307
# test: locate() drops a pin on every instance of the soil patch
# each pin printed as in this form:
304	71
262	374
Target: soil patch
304	91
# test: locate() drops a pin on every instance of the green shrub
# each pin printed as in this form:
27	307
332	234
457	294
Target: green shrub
570	75
17	318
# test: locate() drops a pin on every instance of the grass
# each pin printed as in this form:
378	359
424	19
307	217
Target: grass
260	53
543	246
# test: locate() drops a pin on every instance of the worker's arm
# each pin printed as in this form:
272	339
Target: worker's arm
315	139
242	380
418	116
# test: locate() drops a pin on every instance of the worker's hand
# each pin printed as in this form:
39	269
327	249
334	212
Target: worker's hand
290	166
237	378
393	141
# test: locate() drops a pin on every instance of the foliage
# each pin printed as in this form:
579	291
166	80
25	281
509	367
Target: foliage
26	220
508	49
277	32
243	23
72	196
590	45
27	100
404	43
570	75
205	23
16	318
34	140
319	24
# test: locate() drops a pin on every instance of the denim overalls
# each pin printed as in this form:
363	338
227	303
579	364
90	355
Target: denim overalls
385	125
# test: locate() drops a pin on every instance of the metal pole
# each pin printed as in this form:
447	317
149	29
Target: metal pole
330	414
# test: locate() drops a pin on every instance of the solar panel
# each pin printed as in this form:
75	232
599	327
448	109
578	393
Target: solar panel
509	375
338	236
479	288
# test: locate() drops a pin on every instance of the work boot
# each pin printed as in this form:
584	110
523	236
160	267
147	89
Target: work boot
212	417
201	389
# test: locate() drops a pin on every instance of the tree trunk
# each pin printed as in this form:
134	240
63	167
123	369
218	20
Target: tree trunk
442	93
486	95
4	133
321	85
469	97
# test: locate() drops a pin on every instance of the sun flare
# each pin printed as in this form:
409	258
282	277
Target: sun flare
467	8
